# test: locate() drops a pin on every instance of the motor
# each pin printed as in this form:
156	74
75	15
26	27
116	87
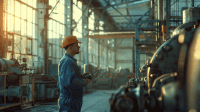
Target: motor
172	75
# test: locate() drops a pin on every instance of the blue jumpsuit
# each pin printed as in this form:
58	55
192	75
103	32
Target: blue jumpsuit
70	85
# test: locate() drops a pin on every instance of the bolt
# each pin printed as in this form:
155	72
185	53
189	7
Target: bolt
159	56
167	47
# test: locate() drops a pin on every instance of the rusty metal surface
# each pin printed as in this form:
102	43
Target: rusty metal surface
191	14
25	79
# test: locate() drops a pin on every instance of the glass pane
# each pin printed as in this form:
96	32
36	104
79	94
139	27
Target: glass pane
61	19
50	50
17	57
53	39
29	42
54	26
11	7
17	44
57	52
80	4
57	39
29	14
29	60
23	45
74	1
50	36
62	2
34	31
23	27
34	3
17	9
62	10
29	29
23	11
10	23
35	47
25	1
34	16
50	24
54	50
17	25
30	2
57	28
62	27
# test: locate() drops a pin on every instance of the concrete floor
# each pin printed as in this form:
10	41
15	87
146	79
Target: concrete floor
96	101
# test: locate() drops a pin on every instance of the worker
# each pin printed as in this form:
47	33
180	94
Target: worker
70	81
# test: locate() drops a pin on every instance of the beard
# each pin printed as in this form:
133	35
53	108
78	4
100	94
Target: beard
77	52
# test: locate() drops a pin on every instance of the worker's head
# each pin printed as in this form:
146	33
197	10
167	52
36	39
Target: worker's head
70	44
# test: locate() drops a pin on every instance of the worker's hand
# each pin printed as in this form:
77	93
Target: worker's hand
88	81
83	75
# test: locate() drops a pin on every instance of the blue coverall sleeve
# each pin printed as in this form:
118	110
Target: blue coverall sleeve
70	79
78	82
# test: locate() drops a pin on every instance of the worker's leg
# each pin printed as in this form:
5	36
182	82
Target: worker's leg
70	105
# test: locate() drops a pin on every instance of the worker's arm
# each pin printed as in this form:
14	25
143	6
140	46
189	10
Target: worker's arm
69	78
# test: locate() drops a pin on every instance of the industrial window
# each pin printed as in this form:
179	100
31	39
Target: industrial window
20	26
56	28
77	25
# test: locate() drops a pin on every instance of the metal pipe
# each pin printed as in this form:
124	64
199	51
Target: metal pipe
137	52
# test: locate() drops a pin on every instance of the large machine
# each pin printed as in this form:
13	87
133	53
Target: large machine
13	82
172	74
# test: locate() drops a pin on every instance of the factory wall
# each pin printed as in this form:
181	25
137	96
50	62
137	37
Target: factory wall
21	23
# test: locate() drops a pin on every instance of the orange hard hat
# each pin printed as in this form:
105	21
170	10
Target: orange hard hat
70	39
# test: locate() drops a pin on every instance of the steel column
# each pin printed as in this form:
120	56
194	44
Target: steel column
160	16
2	53
46	47
115	52
96	27
68	17
98	65
85	10
168	15
134	54
137	52
107	62
41	6
192	3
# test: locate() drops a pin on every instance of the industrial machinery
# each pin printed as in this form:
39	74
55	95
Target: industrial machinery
13	80
143	71
110	79
172	75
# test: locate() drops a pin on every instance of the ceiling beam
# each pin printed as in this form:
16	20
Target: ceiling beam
126	15
106	16
117	36
116	5
124	30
